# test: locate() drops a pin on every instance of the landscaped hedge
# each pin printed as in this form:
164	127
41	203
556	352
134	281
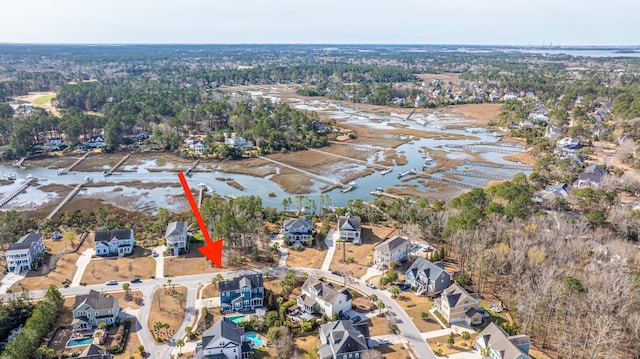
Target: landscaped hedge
116	349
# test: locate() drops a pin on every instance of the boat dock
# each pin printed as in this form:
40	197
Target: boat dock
498	165
19	162
389	170
389	195
376	166
412	171
77	162
361	146
200	196
452	182
110	171
478	175
487	148
65	200
15	192
307	173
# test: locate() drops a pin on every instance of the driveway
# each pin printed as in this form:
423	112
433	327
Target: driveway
160	261
10	279
82	263
330	241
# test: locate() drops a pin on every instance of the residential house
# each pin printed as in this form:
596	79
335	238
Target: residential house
96	141
242	293
456	305
343	340
118	242
495	343
298	232
349	227
224	340
199	146
320	297
177	237
591	177
553	132
236	142
568	143
94	352
55	143
23	254
552	193
425	276
92	309
393	250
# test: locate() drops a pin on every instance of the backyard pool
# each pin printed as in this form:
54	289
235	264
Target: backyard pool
257	341
237	318
417	249
77	342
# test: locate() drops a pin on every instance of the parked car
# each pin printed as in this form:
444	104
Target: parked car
371	285
154	253
335	272
356	319
345	316
136	280
112	282
384	342
404	286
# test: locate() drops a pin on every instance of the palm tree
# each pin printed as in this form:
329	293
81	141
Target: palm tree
180	344
395	290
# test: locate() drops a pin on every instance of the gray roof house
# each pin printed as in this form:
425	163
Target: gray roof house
350	229
298	232
118	242
320	297
224	340
343	339
177	237
591	177
425	276
92	309
94	352
456	304
24	254
242	293
393	250
501	345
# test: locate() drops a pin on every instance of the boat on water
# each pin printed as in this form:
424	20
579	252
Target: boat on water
387	171
63	171
9	176
379	189
88	179
352	184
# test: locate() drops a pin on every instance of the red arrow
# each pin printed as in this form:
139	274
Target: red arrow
212	250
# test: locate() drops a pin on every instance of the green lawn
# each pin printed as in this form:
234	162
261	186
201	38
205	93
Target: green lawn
43	100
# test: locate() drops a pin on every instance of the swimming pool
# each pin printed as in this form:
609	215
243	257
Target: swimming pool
237	318
77	342
257	341
417	249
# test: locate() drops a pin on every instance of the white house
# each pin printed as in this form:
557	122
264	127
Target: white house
54	143
298	232
350	229
223	340
393	250
96	141
236	142
118	242
320	297
22	254
199	146
177	237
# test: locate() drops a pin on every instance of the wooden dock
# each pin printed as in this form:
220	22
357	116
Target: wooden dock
333	184
452	182
498	165
478	175
78	161
110	171
373	165
389	195
19	162
200	196
15	192
487	148
65	200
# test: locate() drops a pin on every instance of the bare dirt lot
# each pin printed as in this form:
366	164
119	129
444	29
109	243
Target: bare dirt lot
101	270
167	307
357	256
414	306
311	257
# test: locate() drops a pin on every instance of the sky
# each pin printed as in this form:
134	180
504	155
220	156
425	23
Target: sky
472	22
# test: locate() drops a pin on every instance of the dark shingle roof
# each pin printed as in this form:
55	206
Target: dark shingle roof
223	328
106	236
391	244
254	280
26	241
345	337
349	222
430	270
95	300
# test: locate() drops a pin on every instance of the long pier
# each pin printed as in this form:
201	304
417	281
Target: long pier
452	182
478	175
78	161
19	162
110	171
389	195
65	200
380	167
200	196
499	165
363	146
193	166
15	192
483	148
312	175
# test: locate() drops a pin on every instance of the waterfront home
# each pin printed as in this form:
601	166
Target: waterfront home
320	297
494	342
350	229
425	276
391	251
236	142
177	237
199	146
456	305
242	293
118	242
92	309
25	253
54	144
223	340
298	232
96	141
343	340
